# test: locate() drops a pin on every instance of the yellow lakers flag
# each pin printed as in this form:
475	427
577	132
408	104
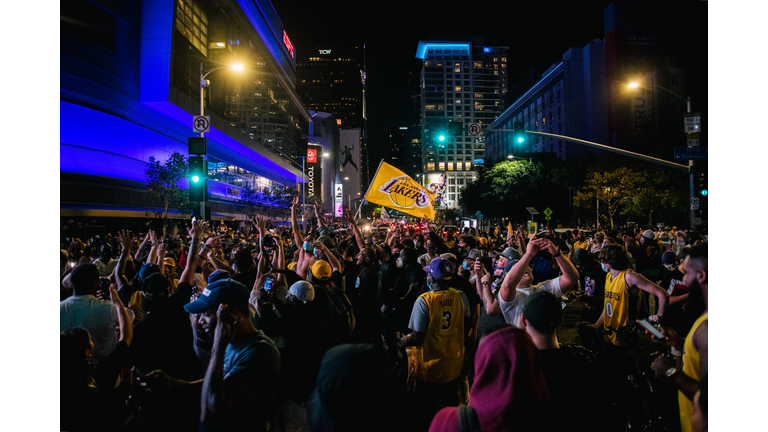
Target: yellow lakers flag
395	189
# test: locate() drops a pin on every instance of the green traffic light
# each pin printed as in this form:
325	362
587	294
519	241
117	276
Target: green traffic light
195	178
441	137
520	140
704	192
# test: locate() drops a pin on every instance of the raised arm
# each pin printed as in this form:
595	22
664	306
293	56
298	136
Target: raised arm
161	249
126	242
509	285
332	260
297	238
123	319
570	277
153	250
356	229
137	257
196	234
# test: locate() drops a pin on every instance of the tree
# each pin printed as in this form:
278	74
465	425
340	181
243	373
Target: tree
504	188
162	184
614	188
656	189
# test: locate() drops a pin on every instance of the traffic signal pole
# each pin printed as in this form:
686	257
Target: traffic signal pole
643	157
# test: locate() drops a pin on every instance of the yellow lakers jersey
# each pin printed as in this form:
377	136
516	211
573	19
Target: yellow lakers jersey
616	306
690	368
440	357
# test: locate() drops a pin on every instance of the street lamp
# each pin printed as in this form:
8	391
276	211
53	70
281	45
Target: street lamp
691	185
203	84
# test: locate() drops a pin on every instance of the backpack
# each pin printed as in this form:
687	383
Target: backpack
468	419
340	310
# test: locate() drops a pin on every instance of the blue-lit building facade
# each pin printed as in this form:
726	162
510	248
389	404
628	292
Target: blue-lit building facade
130	86
463	81
568	100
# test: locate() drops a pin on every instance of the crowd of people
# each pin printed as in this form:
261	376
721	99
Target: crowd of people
409	328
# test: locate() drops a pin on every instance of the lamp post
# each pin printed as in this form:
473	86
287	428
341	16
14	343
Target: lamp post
691	172
203	84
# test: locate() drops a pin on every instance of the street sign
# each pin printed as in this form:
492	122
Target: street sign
547	212
479	215
474	129
201	124
693	140
692	122
694	203
532	210
691	153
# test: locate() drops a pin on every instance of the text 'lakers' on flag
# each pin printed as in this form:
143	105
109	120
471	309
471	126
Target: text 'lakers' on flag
395	189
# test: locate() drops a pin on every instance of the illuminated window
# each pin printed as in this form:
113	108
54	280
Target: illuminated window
478	65
495	72
450	166
458	101
503	59
441	166
458	88
458	166
458	69
468	166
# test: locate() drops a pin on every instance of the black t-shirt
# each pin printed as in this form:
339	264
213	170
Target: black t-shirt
163	339
247	278
463	285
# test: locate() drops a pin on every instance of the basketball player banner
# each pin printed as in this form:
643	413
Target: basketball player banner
395	189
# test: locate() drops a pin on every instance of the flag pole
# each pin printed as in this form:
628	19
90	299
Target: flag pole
367	190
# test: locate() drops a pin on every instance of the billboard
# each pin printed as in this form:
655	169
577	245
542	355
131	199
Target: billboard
338	200
436	183
313	172
349	165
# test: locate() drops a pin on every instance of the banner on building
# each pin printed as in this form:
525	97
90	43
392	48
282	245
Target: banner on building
313	173
395	189
338	201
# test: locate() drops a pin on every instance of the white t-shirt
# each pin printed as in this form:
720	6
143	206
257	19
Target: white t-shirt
513	311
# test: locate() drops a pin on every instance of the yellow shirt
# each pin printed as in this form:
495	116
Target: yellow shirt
616	306
440	357
580	245
690	368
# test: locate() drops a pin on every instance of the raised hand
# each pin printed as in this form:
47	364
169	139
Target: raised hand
124	237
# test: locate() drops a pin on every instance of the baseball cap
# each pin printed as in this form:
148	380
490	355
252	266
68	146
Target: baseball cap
303	291
327	241
511	254
474	254
321	270
581	257
543	311
148	269
448	256
227	291
155	285
439	268
509	266
648	234
169	262
668	257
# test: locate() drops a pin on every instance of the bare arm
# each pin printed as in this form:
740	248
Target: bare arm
153	249
295	223
127	243
509	285
638	280
196	233
570	276
220	396
358	234
413	339
335	265
137	257
123	319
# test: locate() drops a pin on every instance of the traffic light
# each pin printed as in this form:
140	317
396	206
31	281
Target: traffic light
198	184
518	136
702	186
440	132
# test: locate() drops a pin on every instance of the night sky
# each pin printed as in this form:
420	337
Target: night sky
538	33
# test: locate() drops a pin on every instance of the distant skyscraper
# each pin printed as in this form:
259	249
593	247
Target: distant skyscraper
332	79
465	82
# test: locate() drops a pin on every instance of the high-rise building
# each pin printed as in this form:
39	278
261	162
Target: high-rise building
569	100
331	79
463	82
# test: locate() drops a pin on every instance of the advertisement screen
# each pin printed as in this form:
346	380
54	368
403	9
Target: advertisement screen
437	185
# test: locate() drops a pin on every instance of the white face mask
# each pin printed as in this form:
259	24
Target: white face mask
399	262
668	266
472	279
